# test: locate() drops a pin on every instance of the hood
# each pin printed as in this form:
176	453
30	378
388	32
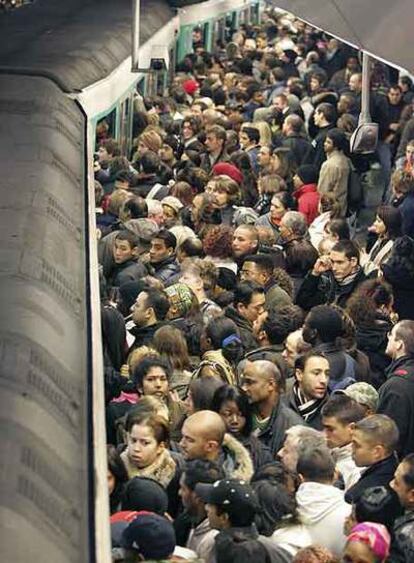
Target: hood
236	462
316	501
232	313
373	337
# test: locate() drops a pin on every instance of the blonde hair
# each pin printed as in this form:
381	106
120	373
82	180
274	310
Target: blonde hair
139	354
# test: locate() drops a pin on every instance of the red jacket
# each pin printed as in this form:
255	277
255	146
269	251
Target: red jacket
308	200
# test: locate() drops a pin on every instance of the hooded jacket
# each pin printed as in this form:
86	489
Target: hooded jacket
166	269
201	540
346	465
308	200
235	459
322	509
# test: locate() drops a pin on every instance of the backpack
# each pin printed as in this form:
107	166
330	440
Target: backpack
355	191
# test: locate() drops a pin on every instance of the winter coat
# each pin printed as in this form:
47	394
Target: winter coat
399	272
275	296
299	146
379	253
259	453
396	399
322	509
214	364
264	221
292	538
346	465
342	367
333	179
235	460
143	335
324	289
307	198
201	540
245	328
316	153
281	419
161	470
131	270
372	339
402	544
315	420
377	475
166	269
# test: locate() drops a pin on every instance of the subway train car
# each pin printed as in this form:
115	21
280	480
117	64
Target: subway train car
64	67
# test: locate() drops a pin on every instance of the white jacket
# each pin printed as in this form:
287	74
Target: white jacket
292	538
346	465
322	509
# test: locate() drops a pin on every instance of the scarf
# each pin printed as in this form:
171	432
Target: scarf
350	278
161	470
307	407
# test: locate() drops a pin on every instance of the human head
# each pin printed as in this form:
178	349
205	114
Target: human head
170	343
339	416
221	333
325	114
245	241
117	476
322	324
202	435
232	404
335	140
182	301
355	82
315	554
147	438
368	543
155	212
336	230
217	241
374	438
279	205
189	248
215	139
403	482
134	208
281	322
143	493
145	535
150	307
295	346
171	207
296	438
402	183
200	394
224	191
262	382
249	137
151	375
387	223
305	174
162	246
312	375
344	258
249	300
149	140
200	275
108	150
125	247
315	464
401	340
364	394
394	94
257	268
197	471
293	226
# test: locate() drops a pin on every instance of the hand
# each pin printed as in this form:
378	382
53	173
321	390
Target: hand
322	264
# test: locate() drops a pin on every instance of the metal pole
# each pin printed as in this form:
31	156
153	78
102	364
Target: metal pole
365	116
136	8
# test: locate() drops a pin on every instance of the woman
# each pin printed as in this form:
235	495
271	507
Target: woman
402	184
225	194
336	230
221	350
248	184
387	227
146	454
328	209
217	247
267	187
232	404
368	542
334	173
279	206
284	164
117	478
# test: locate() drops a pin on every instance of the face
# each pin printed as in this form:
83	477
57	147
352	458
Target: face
254	309
257	386
250	272
166	153
394	345
111	482
215	520
189	404
337	434
404	492
243	242
279	103
297	182
264	157
233	418
313	380
394	96
328	146
155	383
355	83
285	232
123	251
288	454
140	311
213	144
363	452
142	447
159	251
290	353
409	154
341	265
170	217
142	149
103	156
190	279
275	163
187	131
244	140
277	210
358	552
220	197
187	496
314	84
193	442
318	118
378	227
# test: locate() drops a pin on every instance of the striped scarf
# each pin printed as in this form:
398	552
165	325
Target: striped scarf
306	407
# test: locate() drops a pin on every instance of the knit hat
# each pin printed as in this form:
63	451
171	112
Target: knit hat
143	493
226	279
363	393
308	174
229	170
180	297
129	292
190	86
375	536
151	139
172	202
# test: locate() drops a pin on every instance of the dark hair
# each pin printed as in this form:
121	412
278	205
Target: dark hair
279	323
171	344
201	471
168	237
111	146
392	219
378	504
340	228
380	429
284	198
143	367
343	408
194	123
252	132
150	162
348	247
328	111
239	518
159	302
402	182
244	292
339	139
325	322
158	424
129	236
144	493
301	256
192	247
218	330
232	393
316	464
202	392
276	503
408	476
218	131
301	361
117	468
366	299
263	262
137	206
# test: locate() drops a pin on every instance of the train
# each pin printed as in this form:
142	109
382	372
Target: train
64	66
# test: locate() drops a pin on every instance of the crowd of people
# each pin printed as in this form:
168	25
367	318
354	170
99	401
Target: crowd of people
257	298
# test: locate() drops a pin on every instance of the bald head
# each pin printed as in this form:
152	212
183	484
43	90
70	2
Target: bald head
262	382
202	435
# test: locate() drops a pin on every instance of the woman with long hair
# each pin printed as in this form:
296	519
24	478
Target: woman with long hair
387	227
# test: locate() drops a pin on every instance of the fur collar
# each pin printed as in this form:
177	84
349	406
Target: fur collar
161	470
237	460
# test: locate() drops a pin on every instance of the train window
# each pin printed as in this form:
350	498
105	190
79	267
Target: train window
106	128
125	131
198	38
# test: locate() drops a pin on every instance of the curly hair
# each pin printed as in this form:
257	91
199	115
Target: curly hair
370	295
217	241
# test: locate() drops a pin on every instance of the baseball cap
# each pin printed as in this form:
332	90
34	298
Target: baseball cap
362	393
236	494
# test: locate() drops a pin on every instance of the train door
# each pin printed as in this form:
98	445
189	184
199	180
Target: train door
125	125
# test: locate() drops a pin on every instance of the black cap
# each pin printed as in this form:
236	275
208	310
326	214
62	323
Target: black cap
237	495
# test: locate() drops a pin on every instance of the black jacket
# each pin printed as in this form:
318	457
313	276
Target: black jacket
396	399
143	335
372	340
315	420
166	269
324	289
299	145
131	270
282	418
245	329
316	154
399	272
402	544
378	475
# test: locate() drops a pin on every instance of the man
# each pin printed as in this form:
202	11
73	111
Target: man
249	139
295	138
248	305
201	537
216	150
245	242
333	279
127	266
148	313
204	437
324	119
162	256
396	105
262	382
258	268
231	506
310	389
297	438
396	395
374	441
321	506
201	277
402	546
339	416
294	346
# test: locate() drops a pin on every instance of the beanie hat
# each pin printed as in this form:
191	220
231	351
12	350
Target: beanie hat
190	86
229	170
143	493
129	292
308	174
151	139
375	536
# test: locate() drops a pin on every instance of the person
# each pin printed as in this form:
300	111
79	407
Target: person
315	554
324	118
248	305
117	478
402	184
204	437
146	453
398	271
333	279
402	547
144	493
334	172
294	346
368	542
309	392
201	277
162	256
262	382
216	146
396	395
321	506
294	137
232	404
306	195
339	415
201	536
225	194
201	393
374	441
127	266
148	313
231	507
296	438
245	242
249	138
387	227
279	205
259	268
364	394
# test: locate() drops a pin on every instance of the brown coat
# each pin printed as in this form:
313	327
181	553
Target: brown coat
333	178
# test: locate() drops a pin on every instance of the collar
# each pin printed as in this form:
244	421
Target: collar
305	189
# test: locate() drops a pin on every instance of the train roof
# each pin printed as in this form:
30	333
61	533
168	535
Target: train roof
77	42
380	27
